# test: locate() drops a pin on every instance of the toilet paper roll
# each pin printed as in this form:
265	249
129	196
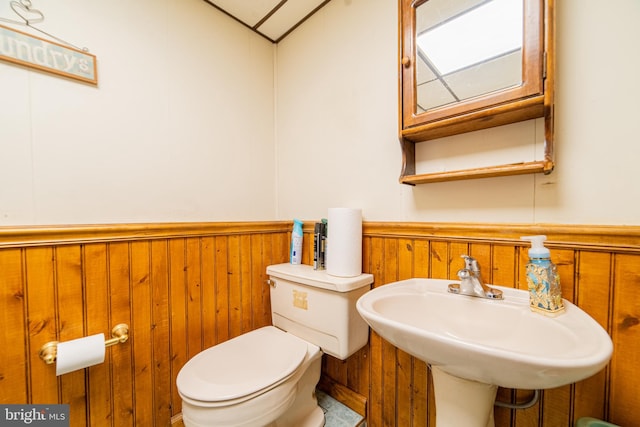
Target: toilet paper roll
79	353
344	242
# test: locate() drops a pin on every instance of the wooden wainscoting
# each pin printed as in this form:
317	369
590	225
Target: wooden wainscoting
180	287
600	272
184	287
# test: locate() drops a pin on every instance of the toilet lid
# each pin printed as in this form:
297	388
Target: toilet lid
241	366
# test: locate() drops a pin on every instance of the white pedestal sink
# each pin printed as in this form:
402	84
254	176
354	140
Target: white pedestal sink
474	345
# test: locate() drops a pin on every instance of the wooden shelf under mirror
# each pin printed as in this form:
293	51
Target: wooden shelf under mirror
438	99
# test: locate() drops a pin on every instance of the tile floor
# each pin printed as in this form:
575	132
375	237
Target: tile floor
338	415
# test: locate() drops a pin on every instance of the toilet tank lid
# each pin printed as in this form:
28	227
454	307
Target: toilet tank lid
305	274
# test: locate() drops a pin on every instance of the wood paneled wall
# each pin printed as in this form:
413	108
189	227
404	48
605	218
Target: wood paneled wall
181	288
184	287
600	272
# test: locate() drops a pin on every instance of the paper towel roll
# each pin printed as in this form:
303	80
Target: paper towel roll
344	242
79	353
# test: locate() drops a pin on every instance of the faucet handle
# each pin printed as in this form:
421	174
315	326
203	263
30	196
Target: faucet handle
470	263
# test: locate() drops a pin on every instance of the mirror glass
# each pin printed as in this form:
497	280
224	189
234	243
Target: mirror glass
465	49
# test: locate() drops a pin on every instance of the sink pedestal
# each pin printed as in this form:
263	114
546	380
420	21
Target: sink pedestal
461	402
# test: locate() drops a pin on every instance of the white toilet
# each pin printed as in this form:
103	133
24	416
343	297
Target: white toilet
267	377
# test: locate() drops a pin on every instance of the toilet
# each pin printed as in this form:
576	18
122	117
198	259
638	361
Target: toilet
267	377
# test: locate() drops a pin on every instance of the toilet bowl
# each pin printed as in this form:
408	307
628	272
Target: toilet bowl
252	380
267	377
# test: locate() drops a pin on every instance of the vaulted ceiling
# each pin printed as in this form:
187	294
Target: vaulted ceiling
273	19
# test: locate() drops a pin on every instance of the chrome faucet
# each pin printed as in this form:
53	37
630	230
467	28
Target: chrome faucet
471	282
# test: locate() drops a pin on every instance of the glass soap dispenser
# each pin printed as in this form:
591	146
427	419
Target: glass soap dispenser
545	295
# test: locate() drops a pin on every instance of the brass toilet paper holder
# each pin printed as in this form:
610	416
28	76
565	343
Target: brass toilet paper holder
49	351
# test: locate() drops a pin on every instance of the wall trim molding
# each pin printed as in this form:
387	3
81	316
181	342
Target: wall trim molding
95	233
589	237
594	237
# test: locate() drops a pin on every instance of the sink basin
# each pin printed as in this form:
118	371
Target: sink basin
493	342
499	342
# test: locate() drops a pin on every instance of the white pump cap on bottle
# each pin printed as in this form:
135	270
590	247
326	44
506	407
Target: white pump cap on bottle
538	250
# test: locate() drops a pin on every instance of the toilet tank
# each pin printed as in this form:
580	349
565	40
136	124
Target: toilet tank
319	308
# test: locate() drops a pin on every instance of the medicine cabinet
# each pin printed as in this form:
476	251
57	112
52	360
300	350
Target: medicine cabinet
462	70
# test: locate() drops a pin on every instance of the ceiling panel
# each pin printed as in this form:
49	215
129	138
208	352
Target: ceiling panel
248	11
273	19
288	16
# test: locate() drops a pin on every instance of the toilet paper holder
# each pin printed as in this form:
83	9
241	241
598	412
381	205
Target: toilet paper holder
49	351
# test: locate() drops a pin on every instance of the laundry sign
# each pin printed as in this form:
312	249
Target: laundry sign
34	52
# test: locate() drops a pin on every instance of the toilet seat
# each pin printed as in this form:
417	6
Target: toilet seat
242	367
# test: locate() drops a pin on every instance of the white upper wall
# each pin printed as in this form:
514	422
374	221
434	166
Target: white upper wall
337	125
180	127
336	112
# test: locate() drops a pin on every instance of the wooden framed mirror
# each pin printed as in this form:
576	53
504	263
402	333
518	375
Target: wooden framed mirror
467	65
